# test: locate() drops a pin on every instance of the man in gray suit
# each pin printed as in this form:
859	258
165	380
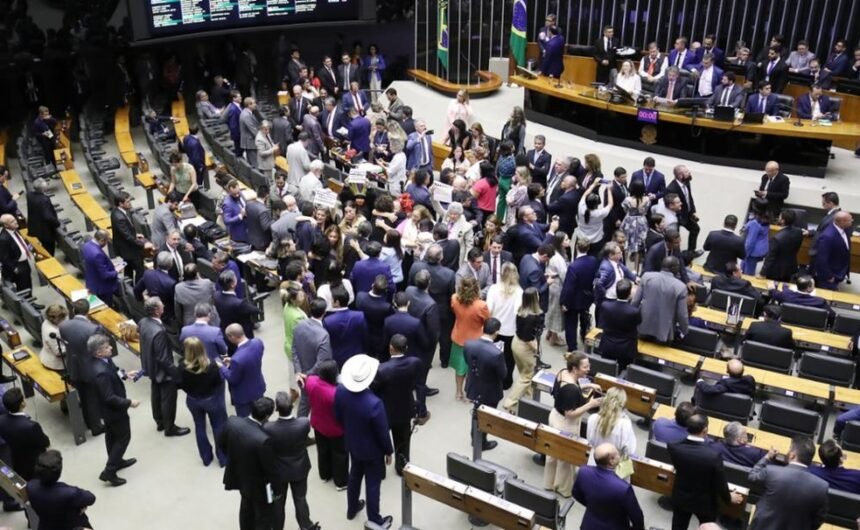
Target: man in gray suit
156	361
282	129
298	159
187	294
311	125
258	219
75	333
267	149
793	498
249	126
311	346
164	219
662	299
475	267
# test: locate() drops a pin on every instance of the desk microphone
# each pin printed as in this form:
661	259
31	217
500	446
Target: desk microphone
56	337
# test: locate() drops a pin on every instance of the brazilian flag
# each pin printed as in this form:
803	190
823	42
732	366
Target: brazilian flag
442	40
518	40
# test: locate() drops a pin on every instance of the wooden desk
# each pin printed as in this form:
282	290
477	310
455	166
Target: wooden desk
110	320
72	182
50	268
63	158
91	209
562	445
488	82
38	249
46	382
66	285
437	487
661	353
640	399
517	430
787	385
499	512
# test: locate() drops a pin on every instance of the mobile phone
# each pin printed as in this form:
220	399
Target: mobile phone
137	376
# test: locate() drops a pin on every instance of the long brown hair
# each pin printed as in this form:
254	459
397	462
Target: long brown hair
196	361
468	291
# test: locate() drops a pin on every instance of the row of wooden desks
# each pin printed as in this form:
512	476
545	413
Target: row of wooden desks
124	141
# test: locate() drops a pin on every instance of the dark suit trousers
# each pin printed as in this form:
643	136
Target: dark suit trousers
117	438
300	503
693	228
332	459
572	321
372	472
255	513
88	394
509	361
164	404
421	386
22	279
50	243
401	435
446	325
681	518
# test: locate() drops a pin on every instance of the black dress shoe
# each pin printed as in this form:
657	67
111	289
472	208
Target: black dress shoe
38	307
432	391
351	515
177	431
489	446
13	507
159	428
112	478
542	365
444	365
386	521
4	379
128	462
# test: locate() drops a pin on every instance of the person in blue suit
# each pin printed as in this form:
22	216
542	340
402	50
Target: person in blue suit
376	308
681	56
669	431
58	505
364	272
346	328
552	62
366	435
419	148
533	272
402	323
610	271
100	274
833	252
211	336
800	295
577	294
359	133
233	209
655	182
564	208
734	448
487	372
709	47
232	309
234	109
221	261
244	370
838	62
158	282
832	470
609	501
806	101
527	235
355	99
331	118
764	101
192	147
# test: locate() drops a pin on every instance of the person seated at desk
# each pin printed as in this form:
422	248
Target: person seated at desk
814	105
803	293
832	470
707	77
732	281
819	76
653	66
728	94
671	88
765	102
735	382
769	331
734	448
667	431
628	81
696	322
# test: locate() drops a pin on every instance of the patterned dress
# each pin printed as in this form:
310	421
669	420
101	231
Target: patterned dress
635	225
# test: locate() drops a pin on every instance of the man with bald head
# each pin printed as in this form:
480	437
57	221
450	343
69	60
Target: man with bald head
15	254
609	501
244	370
833	252
774	188
734	382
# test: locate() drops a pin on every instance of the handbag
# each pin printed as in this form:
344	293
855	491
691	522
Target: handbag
624	469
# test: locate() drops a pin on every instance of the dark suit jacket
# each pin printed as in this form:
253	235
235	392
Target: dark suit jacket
365	424
336	124
358	134
804	106
25	439
251	460
656	184
832	257
156	356
327	80
299	107
100	275
541	167
424	308
565	207
442	283
245	373
736	96
690	58
110	390
348	332
75	331
532	275
679	90
610	502
790	296
731	284
232	309
376	310
723	247
577	292
778	76
525	239
770	332
744	384
42	221
601	53
402	323
742	455
365	272
10	253
450	253
395	384
288	438
158	283
258	221
654	259
186	257
59	505
686	209
777	193
780	263
700	480
605	277
487	371
619	321
754	104
125	244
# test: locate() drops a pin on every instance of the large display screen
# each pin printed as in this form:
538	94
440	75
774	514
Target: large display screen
171	17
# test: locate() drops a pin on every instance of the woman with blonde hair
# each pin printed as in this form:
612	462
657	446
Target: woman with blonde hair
518	195
53	351
525	345
628	79
460	108
612	425
503	299
470	313
203	384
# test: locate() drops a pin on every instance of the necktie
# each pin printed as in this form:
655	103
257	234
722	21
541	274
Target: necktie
346	77
22	243
763	103
299	109
178	260
495	268
770	66
424	158
726	92
650	66
671	92
357	102
678	59
647	180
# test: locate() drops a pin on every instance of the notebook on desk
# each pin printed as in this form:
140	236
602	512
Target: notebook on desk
756	118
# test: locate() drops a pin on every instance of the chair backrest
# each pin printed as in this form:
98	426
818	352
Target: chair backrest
825	368
807	317
720	299
727	406
602	365
785	103
842	508
463	470
786	420
851	436
529	409
701	294
664	384
700	340
847	323
10	297
32	320
835	105
738	475
800	216
658	451
766	356
543	503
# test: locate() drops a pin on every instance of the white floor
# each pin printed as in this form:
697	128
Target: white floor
170	489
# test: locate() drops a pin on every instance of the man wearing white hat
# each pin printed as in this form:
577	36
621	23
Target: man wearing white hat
366	434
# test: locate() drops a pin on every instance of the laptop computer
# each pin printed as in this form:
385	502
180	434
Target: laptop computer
724	113
756	118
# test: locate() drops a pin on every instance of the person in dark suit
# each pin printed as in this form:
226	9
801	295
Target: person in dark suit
806	105
687	217
671	246
107	380
376	308
552	62
423	307
243	371
347	328
832	469
609	501
780	263
288	438
332	118
564	208
355	99
527	235
231	308
670	88
487	371
396	382
58	505
620	321
15	255
180	253
24	437
327	75
365	426
724	246
231	117
252	465
734	448
75	332
609	272
158	282
682	57
156	361
364	272
100	274
533	272
441	289
299	107
450	247
735	382
358	132
539	160
604	54
769	331
801	294
495	257
728	93
560	169
774	70
833	252
127	242
42	220
732	281
700	480
819	76
774	188
192	147
838	63
792	498
209	334
667	430
347	73
763	102
258	219
830	204
577	294
401	322
655	182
